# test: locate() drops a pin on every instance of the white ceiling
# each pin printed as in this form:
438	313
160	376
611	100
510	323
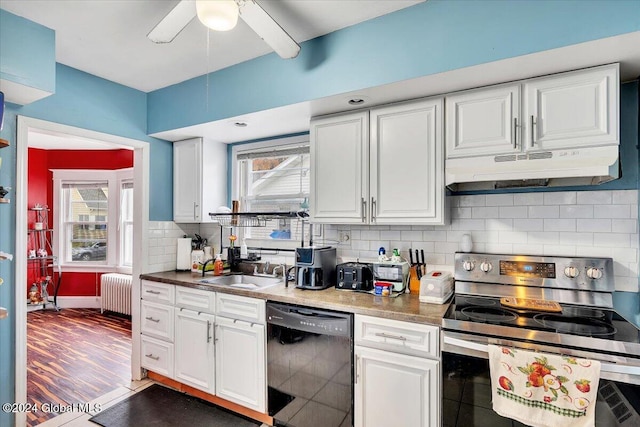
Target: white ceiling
107	38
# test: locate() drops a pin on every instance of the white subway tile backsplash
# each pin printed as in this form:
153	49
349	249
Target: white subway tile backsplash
544	212
435	236
528	249
526	199
576	211
502	224
594	225
559	250
477	200
499	248
544	237
512	237
593	251
594	198
624	197
612	240
485	212
411	235
624	254
530	224
627	284
612	211
389	235
457	213
499	199
557	224
513	212
468	224
576	238
370	234
560	198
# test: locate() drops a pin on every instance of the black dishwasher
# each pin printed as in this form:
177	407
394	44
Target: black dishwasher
309	366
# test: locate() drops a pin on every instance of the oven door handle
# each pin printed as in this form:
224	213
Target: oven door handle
604	366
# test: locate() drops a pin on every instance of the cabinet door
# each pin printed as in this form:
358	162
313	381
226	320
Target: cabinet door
194	346
483	122
575	109
385	380
407	164
187	180
339	168
241	363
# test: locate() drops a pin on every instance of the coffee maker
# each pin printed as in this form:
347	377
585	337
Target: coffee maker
315	267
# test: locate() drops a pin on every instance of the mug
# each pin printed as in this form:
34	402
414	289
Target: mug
32	253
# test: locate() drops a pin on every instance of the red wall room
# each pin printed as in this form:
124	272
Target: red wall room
40	191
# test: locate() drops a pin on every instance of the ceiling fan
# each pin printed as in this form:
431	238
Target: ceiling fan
222	15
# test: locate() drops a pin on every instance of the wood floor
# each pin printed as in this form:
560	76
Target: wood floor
75	356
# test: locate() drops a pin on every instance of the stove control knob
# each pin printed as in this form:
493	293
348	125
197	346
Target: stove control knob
594	273
486	266
468	265
571	272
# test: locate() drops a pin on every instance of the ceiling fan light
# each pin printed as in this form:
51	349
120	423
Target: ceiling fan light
219	15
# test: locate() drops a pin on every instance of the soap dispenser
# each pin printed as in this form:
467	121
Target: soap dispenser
218	266
243	249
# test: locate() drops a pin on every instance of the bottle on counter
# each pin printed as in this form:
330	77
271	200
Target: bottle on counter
243	249
218	265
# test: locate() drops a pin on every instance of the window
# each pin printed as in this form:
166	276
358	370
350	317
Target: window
93	217
273	177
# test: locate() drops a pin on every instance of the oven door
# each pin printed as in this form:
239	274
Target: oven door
467	386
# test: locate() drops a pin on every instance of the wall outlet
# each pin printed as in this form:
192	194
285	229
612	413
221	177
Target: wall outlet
344	237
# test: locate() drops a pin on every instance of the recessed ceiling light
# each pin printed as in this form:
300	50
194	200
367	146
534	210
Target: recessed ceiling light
356	101
240	124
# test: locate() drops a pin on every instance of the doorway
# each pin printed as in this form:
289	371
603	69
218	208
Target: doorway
27	126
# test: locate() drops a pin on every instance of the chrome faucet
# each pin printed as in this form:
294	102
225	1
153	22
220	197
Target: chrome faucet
283	267
265	269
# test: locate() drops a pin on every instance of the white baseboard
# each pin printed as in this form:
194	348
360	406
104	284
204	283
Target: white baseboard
79	302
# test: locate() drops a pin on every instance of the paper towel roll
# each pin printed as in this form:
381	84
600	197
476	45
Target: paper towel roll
183	254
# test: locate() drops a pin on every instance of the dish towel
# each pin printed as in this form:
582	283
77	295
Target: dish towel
543	390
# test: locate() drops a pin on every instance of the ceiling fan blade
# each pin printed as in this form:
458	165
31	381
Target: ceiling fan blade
172	24
268	29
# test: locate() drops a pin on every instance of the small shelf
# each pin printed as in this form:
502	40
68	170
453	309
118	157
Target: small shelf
42	258
33	230
253	219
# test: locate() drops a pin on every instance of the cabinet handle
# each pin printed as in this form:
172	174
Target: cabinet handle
151	356
208	330
515	133
394	337
373	209
152	319
533	124
153	292
364	210
214	333
195	208
355	381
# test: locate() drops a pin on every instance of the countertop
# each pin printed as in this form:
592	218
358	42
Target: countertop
405	307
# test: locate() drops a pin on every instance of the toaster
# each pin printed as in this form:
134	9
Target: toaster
354	276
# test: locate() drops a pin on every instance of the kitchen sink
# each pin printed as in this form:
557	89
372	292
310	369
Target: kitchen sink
244	281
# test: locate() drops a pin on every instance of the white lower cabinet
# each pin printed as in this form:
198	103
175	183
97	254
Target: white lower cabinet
396	364
211	341
194	349
241	362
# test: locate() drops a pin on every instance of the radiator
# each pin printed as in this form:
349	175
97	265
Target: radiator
115	291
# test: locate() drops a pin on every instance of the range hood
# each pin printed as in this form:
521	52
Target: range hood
566	167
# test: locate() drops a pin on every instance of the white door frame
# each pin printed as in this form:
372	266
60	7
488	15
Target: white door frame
140	231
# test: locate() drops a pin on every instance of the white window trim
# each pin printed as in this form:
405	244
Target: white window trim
113	177
235	179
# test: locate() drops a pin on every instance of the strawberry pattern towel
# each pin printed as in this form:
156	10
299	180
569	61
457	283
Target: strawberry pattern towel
543	390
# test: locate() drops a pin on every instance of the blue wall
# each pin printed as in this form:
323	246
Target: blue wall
28	52
425	39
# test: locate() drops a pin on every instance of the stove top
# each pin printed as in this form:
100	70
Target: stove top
586	319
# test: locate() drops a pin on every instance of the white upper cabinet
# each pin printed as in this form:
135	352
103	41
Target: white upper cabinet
199	179
406	164
383	166
483	121
574	109
567	110
339	168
